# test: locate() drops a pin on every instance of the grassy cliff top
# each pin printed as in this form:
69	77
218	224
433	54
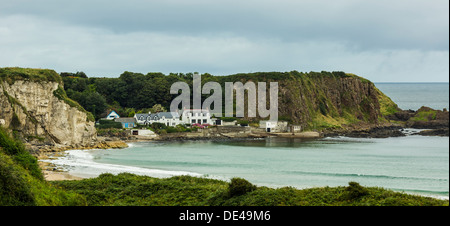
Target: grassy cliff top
11	74
263	76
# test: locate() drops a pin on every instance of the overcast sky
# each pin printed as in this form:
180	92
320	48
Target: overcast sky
381	40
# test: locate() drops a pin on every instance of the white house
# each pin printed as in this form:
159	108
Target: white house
167	118
200	116
268	125
189	116
274	126
142	119
112	115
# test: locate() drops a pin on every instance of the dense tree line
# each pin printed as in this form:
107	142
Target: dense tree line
128	94
135	92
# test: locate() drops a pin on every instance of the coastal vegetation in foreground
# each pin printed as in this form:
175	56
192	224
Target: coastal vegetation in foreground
22	184
128	190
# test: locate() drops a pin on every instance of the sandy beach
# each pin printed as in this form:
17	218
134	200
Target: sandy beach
54	176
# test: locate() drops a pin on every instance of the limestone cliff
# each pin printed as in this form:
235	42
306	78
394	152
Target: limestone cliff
34	105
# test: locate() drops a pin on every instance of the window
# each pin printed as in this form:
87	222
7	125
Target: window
204	121
199	121
193	121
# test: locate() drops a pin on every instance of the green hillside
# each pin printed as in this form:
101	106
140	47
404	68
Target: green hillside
22	182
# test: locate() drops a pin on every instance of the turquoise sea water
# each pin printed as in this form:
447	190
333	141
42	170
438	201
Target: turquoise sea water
413	164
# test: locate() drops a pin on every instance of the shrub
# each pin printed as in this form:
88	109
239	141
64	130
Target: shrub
107	124
355	191
239	186
21	180
17	151
228	119
171	129
14	189
243	122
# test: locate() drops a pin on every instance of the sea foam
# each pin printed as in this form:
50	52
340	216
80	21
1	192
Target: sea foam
81	163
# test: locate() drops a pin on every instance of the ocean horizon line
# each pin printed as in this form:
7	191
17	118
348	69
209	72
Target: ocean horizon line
411	82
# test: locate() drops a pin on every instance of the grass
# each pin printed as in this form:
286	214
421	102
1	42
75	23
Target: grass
387	106
321	122
22	182
11	74
127	190
424	115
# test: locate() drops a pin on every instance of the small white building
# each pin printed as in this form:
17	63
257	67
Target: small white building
193	116
274	126
112	115
268	125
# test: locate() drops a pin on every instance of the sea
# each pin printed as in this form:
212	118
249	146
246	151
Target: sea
412	164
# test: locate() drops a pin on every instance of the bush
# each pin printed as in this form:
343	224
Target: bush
16	150
22	182
355	191
239	186
109	124
14	189
228	119
243	122
171	129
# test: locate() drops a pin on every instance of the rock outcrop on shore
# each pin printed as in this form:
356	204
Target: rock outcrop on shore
435	121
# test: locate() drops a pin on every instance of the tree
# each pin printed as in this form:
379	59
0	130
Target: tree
157	108
91	101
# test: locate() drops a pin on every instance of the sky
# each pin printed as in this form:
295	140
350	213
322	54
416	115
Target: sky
381	40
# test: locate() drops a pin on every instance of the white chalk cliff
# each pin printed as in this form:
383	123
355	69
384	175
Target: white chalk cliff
34	109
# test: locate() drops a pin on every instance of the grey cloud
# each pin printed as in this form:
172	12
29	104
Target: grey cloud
400	24
380	40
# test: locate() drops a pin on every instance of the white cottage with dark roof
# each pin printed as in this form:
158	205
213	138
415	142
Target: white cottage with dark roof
112	115
167	118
